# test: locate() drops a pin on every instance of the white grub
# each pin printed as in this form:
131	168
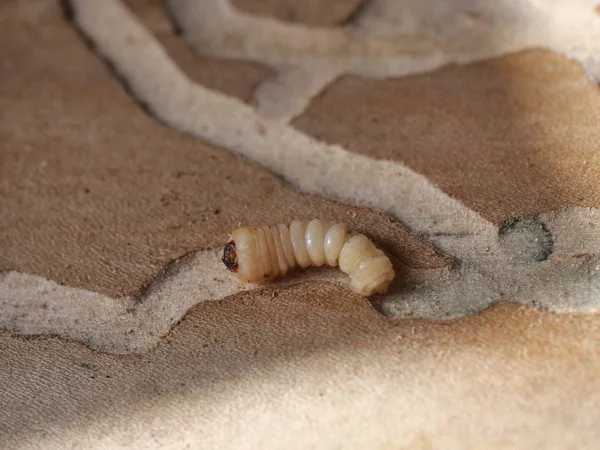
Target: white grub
260	254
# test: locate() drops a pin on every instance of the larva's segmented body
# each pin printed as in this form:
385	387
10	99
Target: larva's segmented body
259	254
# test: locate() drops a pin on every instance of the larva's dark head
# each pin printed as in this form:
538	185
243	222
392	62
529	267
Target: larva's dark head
230	256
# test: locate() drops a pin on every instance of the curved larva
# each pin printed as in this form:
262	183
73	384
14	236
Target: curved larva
259	254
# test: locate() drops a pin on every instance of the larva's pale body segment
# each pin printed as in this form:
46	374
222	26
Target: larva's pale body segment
260	254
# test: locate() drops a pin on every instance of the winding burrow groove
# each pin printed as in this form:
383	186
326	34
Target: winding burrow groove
487	271
32	305
385	38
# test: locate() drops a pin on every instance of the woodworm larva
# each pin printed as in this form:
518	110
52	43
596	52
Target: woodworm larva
264	253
